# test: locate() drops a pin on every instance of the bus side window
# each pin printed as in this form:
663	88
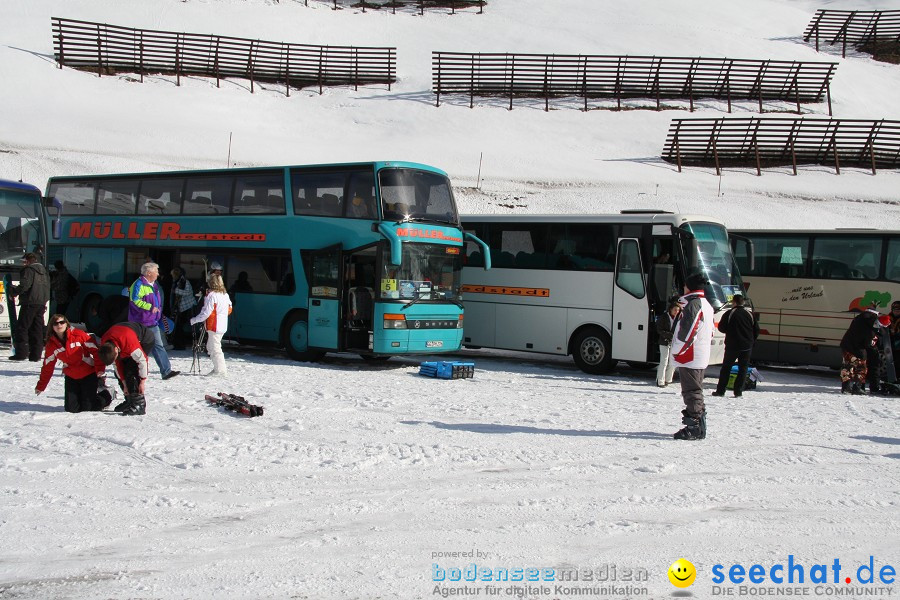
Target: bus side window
117	197
892	268
77	198
160	196
208	195
259	193
331	205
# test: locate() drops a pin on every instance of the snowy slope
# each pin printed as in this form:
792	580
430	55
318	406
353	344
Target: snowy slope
68	122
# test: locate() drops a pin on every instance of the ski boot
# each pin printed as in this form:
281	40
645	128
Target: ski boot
845	387
694	429
857	390
134	405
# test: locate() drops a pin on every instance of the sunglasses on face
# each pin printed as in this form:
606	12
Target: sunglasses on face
55	323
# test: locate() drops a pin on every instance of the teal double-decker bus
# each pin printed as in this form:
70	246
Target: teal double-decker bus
360	257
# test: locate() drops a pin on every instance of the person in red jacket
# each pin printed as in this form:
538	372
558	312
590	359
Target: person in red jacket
128	345
77	352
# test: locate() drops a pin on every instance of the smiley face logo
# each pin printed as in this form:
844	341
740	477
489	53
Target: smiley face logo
682	573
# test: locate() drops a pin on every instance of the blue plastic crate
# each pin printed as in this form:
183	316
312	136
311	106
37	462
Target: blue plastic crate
447	369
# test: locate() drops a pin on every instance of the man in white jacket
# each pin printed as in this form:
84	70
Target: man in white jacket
214	315
691	348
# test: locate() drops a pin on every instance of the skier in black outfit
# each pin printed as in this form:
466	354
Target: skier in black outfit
741	331
854	346
895	336
880	358
34	293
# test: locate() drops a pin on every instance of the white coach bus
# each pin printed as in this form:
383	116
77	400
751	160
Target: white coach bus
807	285
589	285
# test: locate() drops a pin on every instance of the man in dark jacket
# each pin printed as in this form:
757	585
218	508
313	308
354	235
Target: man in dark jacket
741	330
34	293
854	345
64	287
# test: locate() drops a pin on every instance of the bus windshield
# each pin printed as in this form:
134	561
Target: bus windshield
429	272
709	252
414	195
20	230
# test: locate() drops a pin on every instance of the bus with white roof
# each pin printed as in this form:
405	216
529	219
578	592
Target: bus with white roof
590	286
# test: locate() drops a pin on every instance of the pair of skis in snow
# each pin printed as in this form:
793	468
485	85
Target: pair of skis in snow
236	404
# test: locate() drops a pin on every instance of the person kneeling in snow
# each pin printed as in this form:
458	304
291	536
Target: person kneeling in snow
76	351
216	308
128	345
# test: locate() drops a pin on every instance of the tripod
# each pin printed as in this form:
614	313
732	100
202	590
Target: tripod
198	335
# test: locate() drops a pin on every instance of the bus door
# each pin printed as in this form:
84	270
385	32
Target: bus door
662	284
630	310
325	289
359	297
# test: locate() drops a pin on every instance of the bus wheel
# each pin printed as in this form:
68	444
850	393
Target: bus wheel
296	338
592	351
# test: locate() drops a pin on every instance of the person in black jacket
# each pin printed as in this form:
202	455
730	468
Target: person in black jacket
34	293
854	345
895	336
665	328
741	331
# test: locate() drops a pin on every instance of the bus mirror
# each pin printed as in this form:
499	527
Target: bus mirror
751	255
485	251
394	240
52	205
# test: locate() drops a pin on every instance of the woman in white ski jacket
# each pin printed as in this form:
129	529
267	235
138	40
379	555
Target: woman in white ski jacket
214	315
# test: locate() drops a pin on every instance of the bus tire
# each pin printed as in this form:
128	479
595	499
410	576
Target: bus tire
592	351
295	334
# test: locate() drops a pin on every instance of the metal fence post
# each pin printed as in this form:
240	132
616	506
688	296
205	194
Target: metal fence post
286	49
250	63
99	54
833	145
61	44
512	80
473	87
321	59
216	60
546	84
584	90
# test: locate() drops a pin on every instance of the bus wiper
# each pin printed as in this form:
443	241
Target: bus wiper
411	302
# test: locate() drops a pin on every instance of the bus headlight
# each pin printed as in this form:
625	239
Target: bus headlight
459	323
394	321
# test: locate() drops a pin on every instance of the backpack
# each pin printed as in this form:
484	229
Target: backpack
753	377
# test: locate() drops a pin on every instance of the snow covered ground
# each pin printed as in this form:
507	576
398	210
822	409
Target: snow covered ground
361	477
358	474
